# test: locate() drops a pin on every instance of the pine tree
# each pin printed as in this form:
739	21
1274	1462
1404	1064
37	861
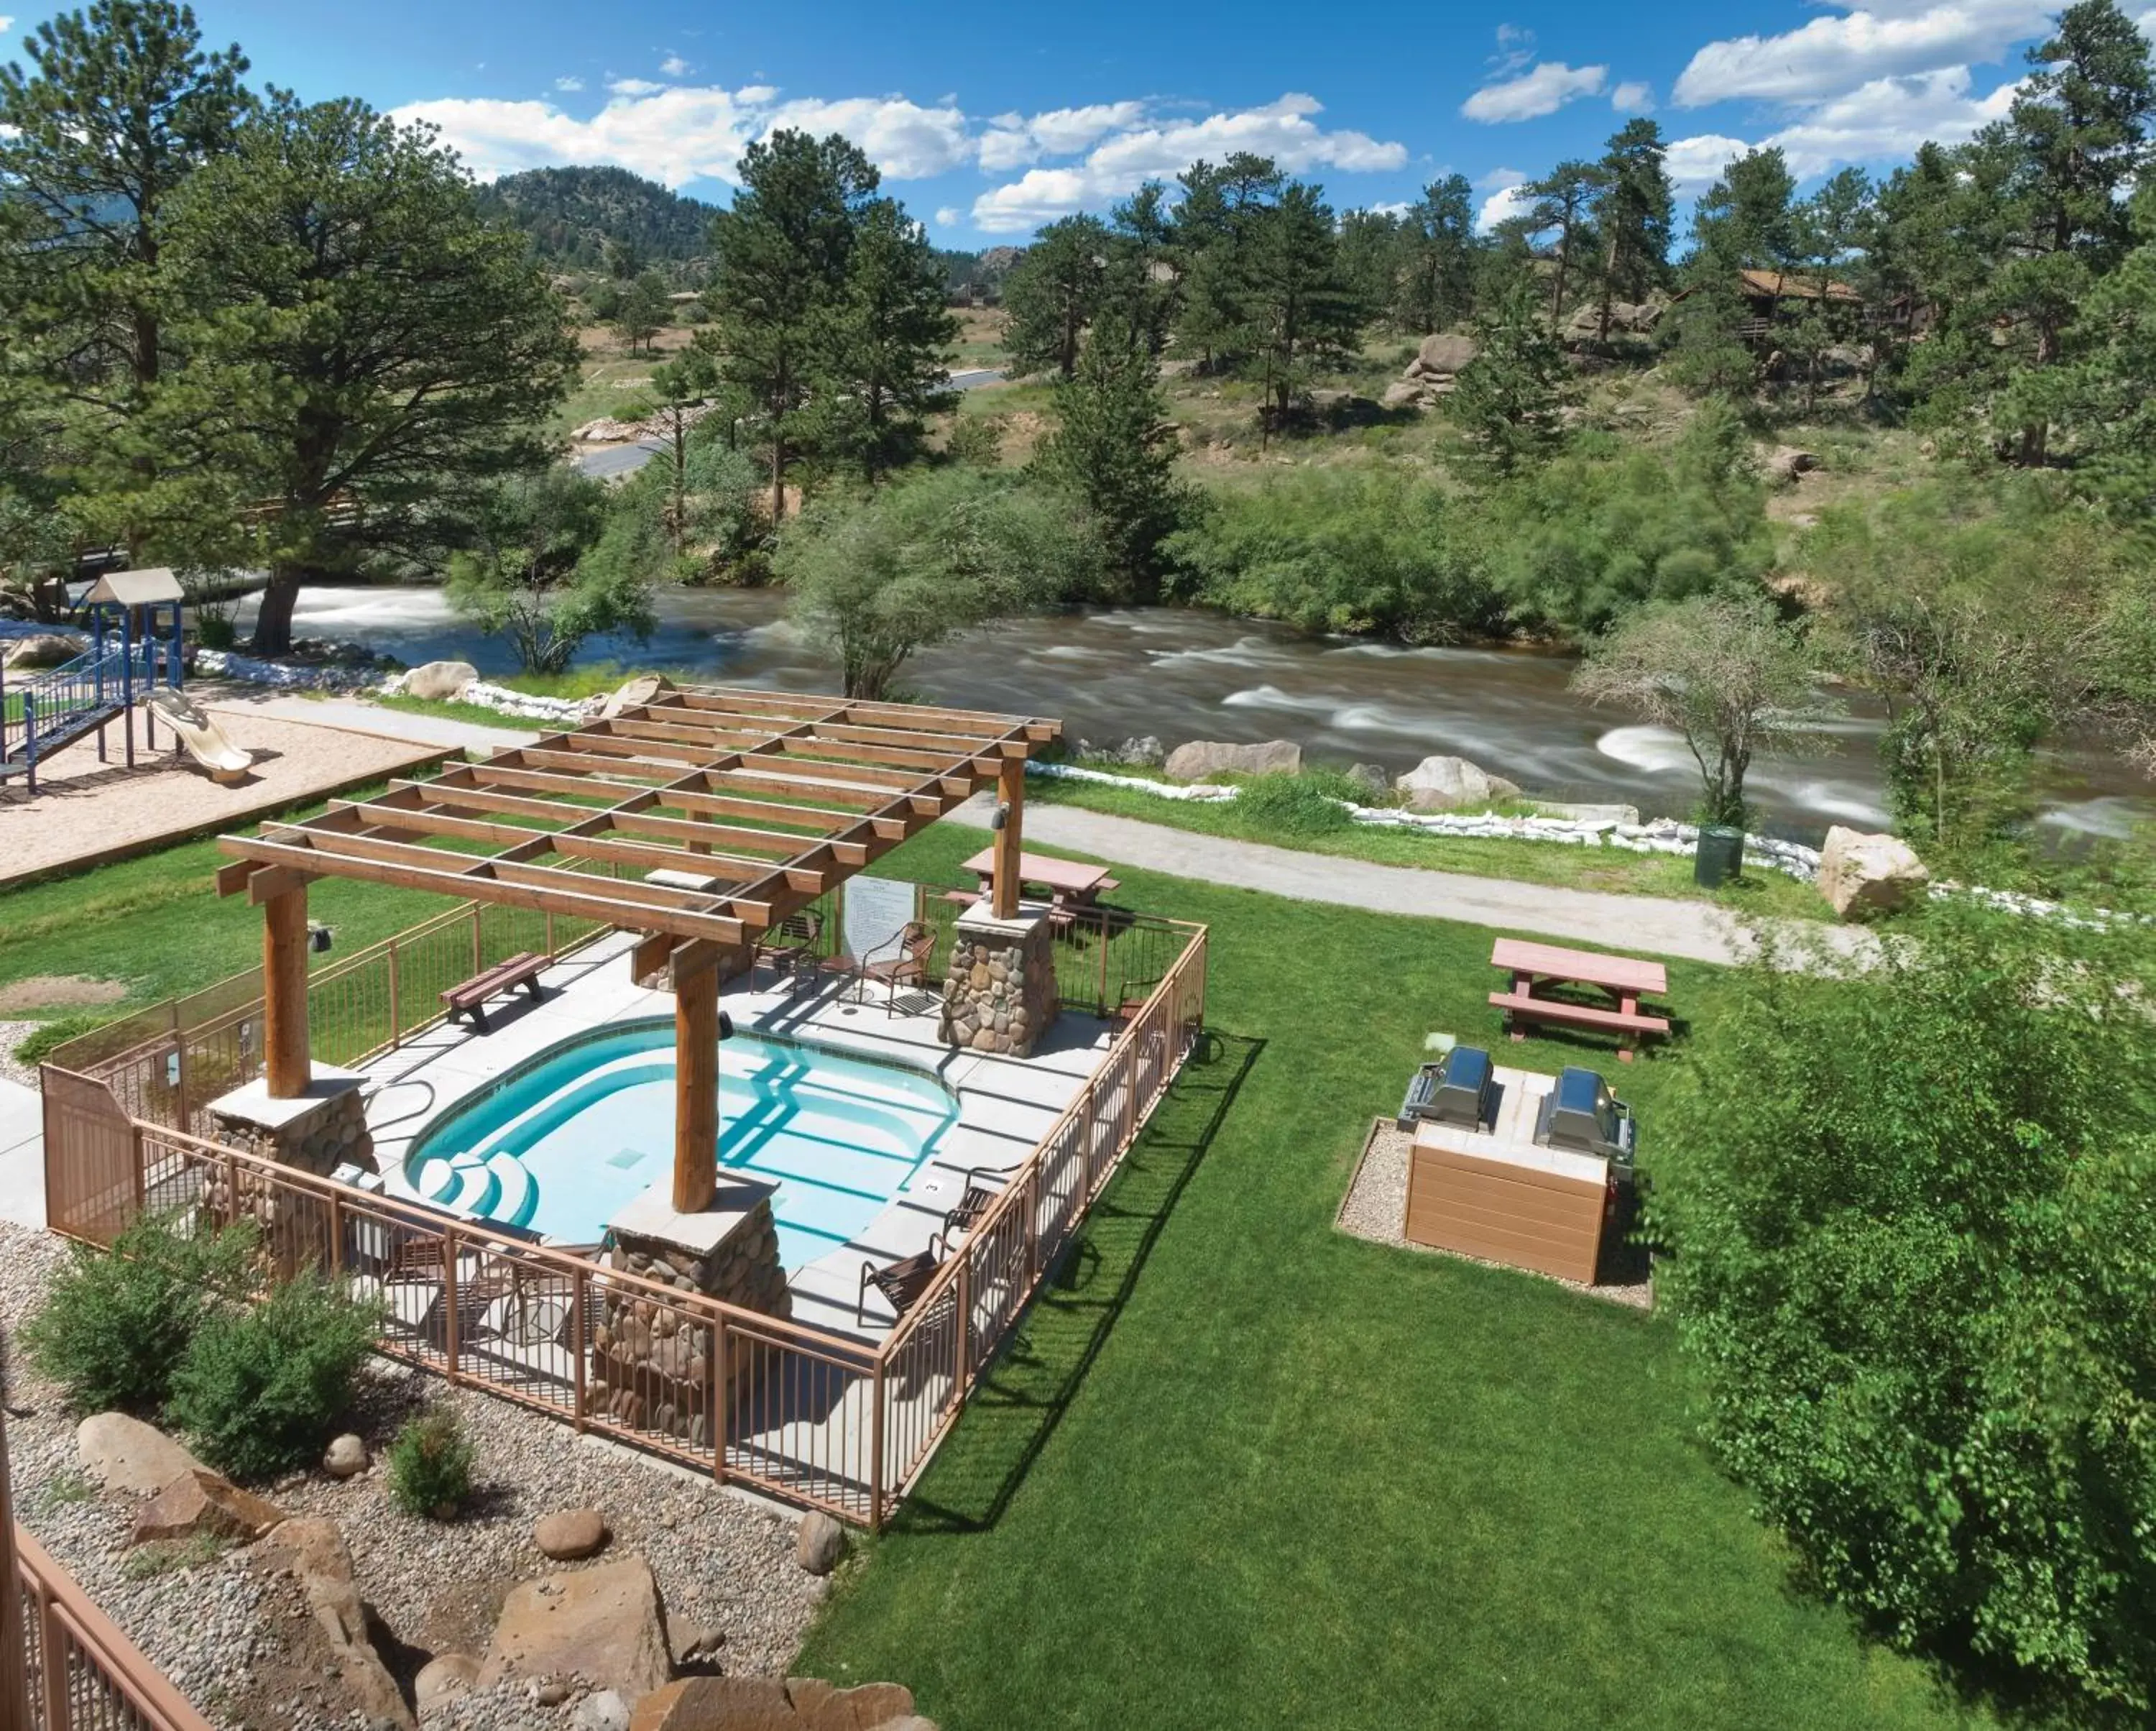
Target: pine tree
782	255
1296	307
1632	213
1114	450
1053	293
884	348
1215	225
1437	280
1563	197
1509	400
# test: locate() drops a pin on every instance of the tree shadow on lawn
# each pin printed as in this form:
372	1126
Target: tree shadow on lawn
1022	1398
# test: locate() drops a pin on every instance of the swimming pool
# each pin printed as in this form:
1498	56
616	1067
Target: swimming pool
565	1140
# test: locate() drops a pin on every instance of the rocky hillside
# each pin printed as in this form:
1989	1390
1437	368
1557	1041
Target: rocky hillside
574	215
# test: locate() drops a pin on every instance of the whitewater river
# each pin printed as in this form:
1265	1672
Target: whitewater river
1180	674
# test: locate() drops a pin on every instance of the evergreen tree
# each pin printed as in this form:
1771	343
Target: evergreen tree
886	345
1508	400
1114	449
1631	213
1744	221
1436	282
1563	197
642	309
120	106
1213	231
1296	306
1053	293
365	352
1830	225
678	389
781	253
1143	288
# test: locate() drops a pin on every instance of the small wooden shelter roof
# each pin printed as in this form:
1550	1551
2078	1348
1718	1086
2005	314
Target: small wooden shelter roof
705	813
137	588
1782	285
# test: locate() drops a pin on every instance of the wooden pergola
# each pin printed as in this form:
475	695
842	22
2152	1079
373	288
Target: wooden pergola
702	818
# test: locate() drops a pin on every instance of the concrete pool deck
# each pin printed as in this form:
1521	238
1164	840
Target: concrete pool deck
1005	1104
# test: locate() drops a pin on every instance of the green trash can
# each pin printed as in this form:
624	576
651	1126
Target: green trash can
1720	857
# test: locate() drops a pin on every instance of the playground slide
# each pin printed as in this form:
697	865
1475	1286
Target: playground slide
201	738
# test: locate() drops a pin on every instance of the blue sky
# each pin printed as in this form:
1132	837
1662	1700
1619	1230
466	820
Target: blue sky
989	121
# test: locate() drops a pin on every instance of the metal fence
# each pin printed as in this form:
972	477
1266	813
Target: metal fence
76	1672
837	1424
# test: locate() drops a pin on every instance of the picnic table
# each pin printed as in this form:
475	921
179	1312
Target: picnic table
1068	882
1536	967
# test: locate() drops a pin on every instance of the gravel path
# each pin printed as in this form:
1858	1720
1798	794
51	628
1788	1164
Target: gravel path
722	1561
1376	1208
11	1068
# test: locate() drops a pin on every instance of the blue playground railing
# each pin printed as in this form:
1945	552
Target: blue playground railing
53	708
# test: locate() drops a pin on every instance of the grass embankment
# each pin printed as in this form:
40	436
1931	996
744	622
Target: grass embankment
1663	875
1237	1468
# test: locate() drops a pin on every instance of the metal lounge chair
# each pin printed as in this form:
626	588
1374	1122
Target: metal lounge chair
974	1201
902	962
790	948
901	1282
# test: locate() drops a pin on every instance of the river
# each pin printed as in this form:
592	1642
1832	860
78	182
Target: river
1180	674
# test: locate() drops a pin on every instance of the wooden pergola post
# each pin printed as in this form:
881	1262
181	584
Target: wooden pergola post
1010	793
283	896
695	974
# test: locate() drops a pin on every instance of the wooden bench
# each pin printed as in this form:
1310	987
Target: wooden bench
470	999
1523	1007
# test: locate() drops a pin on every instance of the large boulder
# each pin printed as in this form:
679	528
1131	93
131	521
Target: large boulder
442	681
49	649
345	1457
635	693
313	1551
763	1704
1784	463
819	1543
570	1535
201	1501
1442	355
1862	874
1202	759
1445	784
124	1454
1403	393
443	1678
603	1624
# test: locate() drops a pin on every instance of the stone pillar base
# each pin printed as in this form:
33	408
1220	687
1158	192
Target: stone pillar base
650	1370
315	1133
999	993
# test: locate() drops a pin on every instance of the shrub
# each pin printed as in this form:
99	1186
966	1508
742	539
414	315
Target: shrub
115	1324
1293	804
1915	1264
430	1464
260	1388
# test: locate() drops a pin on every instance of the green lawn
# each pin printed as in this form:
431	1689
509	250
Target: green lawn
1579	868
1240	1469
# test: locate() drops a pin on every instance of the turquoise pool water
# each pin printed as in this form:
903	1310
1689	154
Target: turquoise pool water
565	1139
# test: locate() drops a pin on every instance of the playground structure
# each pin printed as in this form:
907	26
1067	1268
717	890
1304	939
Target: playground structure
133	617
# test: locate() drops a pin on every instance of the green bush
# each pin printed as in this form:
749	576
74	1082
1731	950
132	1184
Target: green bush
1915	1262
1294	804
430	1464
117	1324
260	1388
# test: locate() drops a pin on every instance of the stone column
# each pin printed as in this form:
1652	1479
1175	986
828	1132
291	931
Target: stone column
651	1368
999	991
314	1132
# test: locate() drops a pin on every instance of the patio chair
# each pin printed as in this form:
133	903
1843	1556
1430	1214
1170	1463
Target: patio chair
974	1201
902	962
901	1282
790	948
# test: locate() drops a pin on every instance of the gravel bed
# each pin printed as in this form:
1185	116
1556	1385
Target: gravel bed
722	1560
11	1068
1376	1208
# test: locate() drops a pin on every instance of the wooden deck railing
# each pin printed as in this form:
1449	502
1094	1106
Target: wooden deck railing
63	1666
821	1418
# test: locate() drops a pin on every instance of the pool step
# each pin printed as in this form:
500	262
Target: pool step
516	1196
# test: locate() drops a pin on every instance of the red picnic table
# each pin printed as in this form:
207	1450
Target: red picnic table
1070	884
1625	978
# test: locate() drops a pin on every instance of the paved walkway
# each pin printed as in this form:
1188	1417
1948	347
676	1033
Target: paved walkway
376	718
1694	930
22	1154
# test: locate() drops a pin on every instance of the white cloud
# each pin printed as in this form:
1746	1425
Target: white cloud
1013	140
1505	200
1888	118
6	23
1634	96
1696	163
1829	57
949	216
1391	208
674	66
1543	89
679	133
1284	131
905	140
570	83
